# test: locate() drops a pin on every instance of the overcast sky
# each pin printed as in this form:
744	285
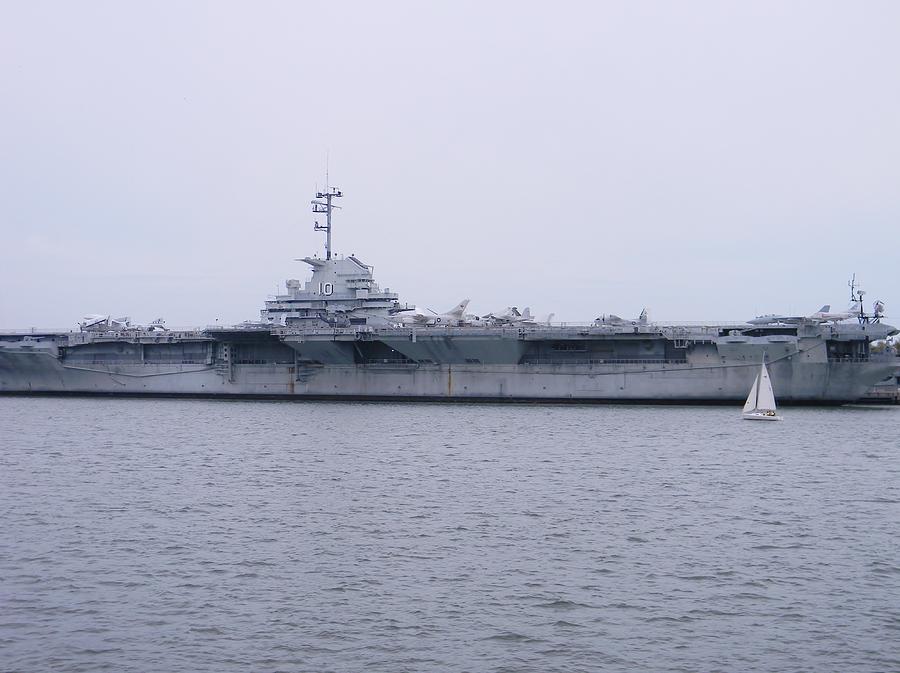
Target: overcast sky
708	160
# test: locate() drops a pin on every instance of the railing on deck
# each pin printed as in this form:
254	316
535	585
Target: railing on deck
38	331
536	361
607	361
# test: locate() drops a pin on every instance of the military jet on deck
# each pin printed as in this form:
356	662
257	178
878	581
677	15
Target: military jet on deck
103	323
824	314
613	319
509	316
513	316
414	316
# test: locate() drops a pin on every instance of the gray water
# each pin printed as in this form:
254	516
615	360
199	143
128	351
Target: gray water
158	535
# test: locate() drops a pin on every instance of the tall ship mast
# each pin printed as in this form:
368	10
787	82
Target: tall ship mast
326	206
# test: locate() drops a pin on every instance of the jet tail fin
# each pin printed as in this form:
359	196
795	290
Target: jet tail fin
825	309
460	309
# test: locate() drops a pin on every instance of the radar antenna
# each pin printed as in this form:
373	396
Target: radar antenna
856	299
326	206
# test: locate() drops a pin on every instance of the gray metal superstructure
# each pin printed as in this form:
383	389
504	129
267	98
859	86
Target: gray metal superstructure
339	335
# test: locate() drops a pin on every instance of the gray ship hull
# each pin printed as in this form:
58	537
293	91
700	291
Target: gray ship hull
705	376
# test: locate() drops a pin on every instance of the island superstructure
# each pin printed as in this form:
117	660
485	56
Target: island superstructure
341	292
338	335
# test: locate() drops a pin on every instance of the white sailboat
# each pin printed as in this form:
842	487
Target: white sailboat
760	404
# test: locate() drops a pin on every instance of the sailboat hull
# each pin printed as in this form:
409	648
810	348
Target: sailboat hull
760	417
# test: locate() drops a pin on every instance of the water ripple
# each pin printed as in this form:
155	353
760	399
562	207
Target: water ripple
232	536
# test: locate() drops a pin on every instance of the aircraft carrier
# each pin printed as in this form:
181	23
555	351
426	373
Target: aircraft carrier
340	336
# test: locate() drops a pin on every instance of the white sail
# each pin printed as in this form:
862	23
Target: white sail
766	399
750	404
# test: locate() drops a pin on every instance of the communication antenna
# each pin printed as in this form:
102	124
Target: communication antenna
326	206
856	298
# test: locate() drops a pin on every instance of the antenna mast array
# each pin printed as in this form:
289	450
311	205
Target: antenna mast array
856	297
326	206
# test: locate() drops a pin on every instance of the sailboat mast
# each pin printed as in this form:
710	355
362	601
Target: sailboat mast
761	368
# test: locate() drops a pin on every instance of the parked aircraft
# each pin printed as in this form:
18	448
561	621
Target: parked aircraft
824	314
509	316
116	324
613	319
95	322
454	317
